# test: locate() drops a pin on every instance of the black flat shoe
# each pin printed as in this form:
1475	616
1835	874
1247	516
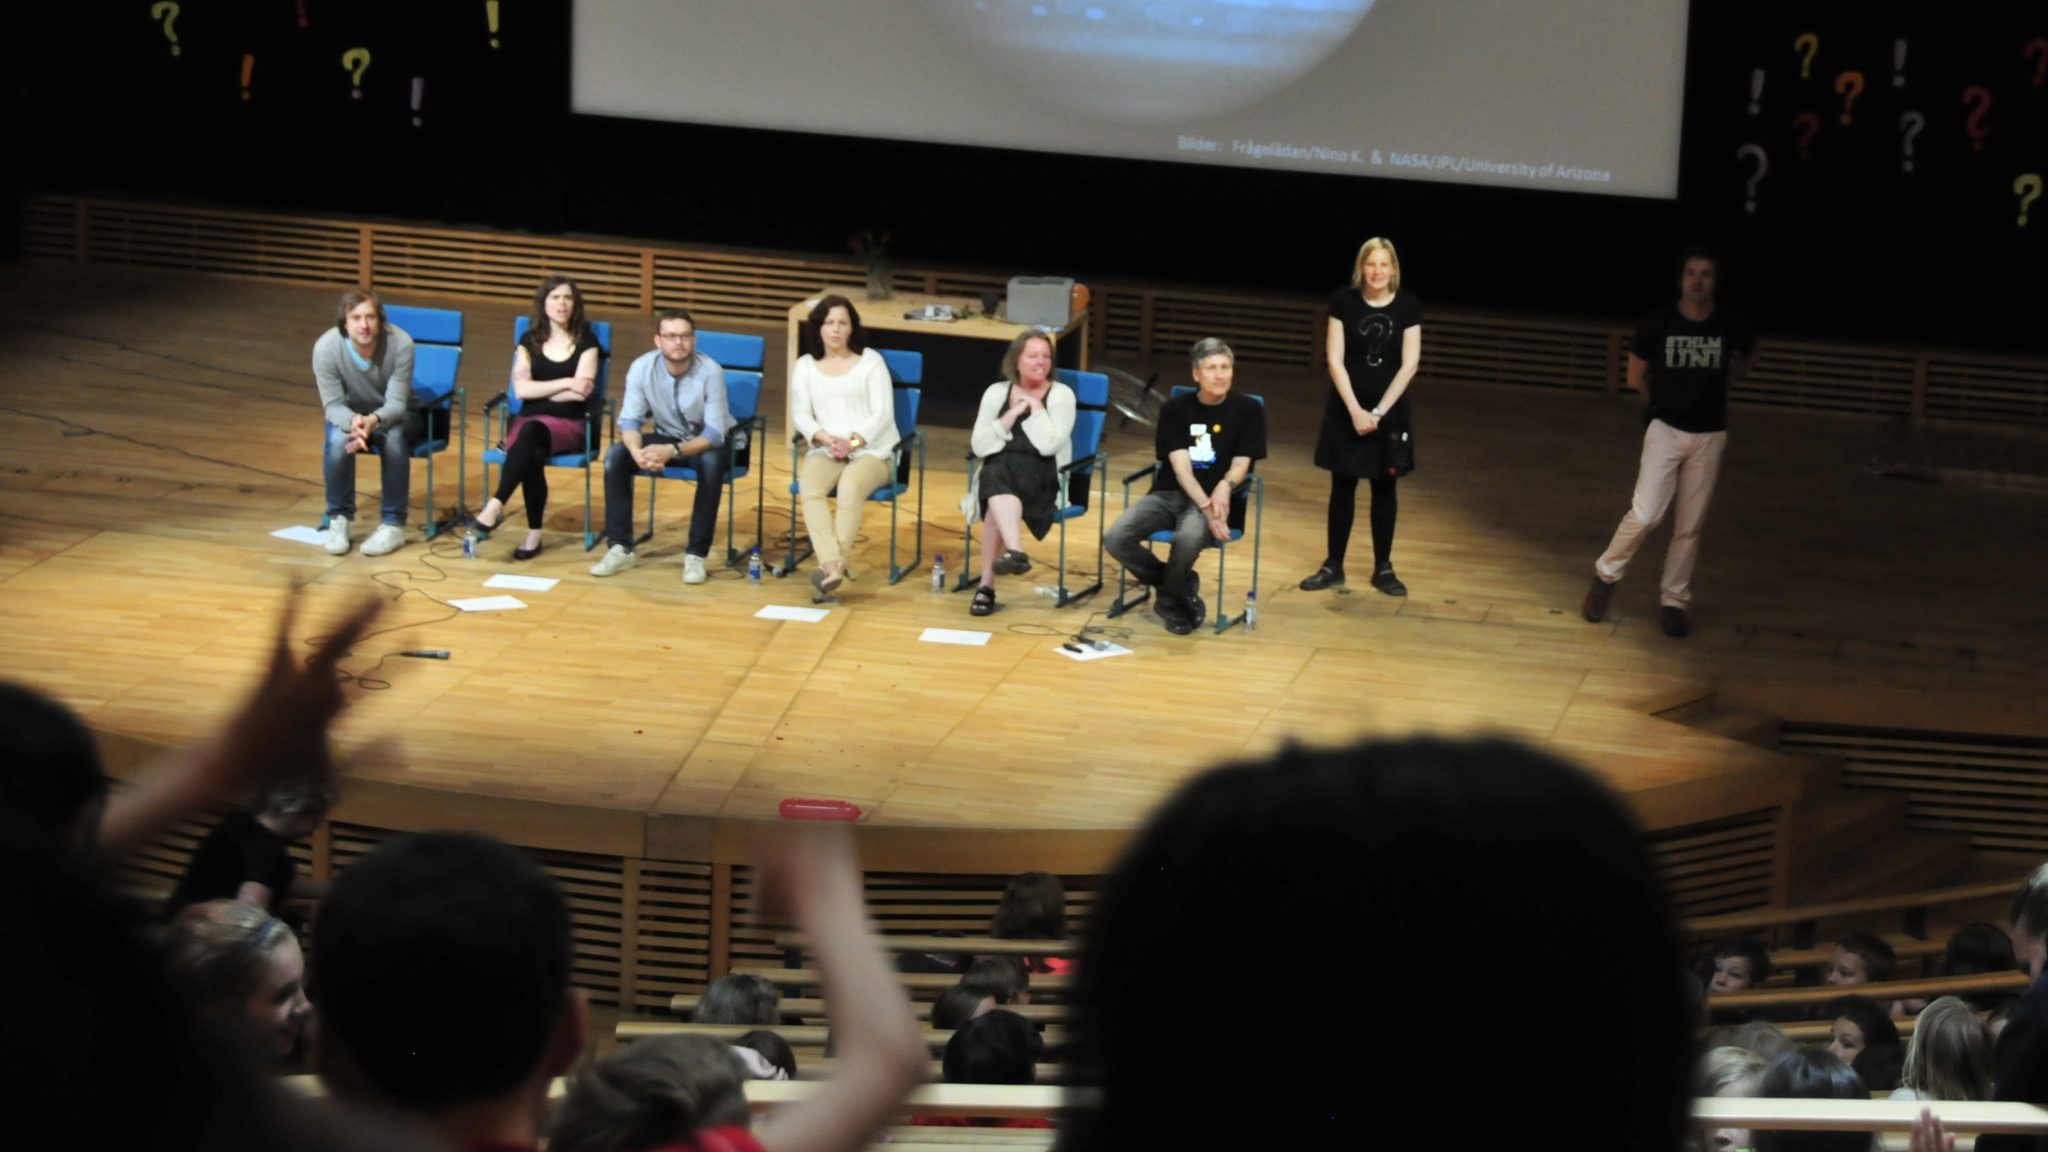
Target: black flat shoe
1387	582
1324	577
984	602
526	553
1012	563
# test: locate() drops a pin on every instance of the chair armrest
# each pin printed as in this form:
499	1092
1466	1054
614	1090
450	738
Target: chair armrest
497	401
1073	466
1141	473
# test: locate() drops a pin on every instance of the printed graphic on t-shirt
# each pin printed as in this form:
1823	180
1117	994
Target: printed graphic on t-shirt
1201	449
1692	351
1374	328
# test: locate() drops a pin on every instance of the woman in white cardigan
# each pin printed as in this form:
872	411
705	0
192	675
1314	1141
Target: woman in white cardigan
1018	484
843	407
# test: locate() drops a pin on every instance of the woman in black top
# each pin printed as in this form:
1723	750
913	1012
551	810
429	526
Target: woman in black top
554	373
1374	344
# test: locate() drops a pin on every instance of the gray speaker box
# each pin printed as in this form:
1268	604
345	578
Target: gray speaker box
1044	301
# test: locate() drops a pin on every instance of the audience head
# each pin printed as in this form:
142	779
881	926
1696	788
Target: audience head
1949	1056
243	969
441	967
1879	1065
1978	949
360	317
776	1058
1728	1072
1859	1023
52	788
1015	352
1763	1038
1738	965
1006	978
1416	840
295	811
2000	1015
1365	251
1811	1074
558	301
959	1004
996	1047
1860	958
810	343
652	1094
738	999
1033	907
2029	920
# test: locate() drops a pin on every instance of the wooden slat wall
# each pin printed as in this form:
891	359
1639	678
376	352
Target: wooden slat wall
1129	320
671	928
922	903
1992	788
1724	866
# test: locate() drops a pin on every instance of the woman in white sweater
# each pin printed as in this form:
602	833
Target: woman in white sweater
843	408
1018	484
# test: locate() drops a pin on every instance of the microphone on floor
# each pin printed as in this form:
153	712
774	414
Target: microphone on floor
427	653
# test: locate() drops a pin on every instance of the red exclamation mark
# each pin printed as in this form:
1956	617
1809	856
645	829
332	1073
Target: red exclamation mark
248	66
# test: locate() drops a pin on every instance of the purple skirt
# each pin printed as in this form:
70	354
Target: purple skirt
565	435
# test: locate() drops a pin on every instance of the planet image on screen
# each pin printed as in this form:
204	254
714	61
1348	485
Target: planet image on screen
1151	61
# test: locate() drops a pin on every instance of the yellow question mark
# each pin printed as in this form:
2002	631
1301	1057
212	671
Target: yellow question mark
1809	44
166	11
2028	189
357	61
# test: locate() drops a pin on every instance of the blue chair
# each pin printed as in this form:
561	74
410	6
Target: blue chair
436	359
1253	495
741	357
1077	476
906	369
596	418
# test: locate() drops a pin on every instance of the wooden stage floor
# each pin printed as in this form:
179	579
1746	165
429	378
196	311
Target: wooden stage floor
157	428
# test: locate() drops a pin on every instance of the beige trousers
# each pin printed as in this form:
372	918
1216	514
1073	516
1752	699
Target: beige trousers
1679	466
833	534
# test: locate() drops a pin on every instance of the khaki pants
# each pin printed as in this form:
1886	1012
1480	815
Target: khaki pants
1676	465
833	534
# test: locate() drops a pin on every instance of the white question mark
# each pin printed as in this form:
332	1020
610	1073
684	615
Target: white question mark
1911	123
1763	165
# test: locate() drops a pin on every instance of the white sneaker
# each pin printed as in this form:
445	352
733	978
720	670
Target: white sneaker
616	560
337	535
693	569
388	538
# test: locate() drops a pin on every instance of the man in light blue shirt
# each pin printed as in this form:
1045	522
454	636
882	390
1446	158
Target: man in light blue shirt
682	394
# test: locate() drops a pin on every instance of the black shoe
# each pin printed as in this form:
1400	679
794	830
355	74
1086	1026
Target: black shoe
984	602
1198	612
1594	608
526	553
1325	577
1676	622
1011	563
1176	620
1387	582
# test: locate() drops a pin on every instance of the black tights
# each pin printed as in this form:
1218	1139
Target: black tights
1343	501
526	468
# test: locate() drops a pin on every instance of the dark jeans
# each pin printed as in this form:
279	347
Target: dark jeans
621	473
1157	512
393	447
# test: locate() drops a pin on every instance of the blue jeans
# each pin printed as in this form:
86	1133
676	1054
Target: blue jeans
621	474
394	447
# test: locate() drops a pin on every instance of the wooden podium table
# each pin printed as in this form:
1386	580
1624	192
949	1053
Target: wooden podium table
962	357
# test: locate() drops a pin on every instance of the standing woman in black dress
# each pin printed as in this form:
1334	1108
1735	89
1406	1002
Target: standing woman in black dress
1374	346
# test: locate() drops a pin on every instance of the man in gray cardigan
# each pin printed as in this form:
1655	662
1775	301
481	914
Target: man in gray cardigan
363	367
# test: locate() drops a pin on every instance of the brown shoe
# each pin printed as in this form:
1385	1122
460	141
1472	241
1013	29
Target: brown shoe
1594	608
1676	622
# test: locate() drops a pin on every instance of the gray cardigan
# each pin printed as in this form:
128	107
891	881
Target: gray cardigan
347	391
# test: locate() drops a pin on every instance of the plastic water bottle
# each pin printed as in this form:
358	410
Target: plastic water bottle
754	566
939	572
1251	609
469	542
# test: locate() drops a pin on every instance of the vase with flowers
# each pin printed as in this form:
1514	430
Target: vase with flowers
872	246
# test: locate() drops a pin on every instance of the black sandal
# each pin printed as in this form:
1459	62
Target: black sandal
984	602
1012	563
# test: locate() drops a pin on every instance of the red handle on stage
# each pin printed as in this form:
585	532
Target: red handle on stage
795	809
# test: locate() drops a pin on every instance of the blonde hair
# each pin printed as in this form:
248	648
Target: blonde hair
1376	244
1725	1066
1949	1057
212	948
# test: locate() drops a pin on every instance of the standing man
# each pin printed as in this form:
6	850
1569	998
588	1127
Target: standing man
1207	441
1684	355
363	368
684	394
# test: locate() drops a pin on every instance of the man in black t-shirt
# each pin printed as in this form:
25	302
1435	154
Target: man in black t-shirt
1684	355
1206	443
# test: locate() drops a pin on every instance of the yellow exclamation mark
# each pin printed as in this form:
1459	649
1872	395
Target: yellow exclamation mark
491	18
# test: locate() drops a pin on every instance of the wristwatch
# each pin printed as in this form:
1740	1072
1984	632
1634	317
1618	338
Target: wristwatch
1377	414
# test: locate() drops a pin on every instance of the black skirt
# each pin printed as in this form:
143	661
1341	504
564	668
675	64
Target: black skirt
1033	479
1388	450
